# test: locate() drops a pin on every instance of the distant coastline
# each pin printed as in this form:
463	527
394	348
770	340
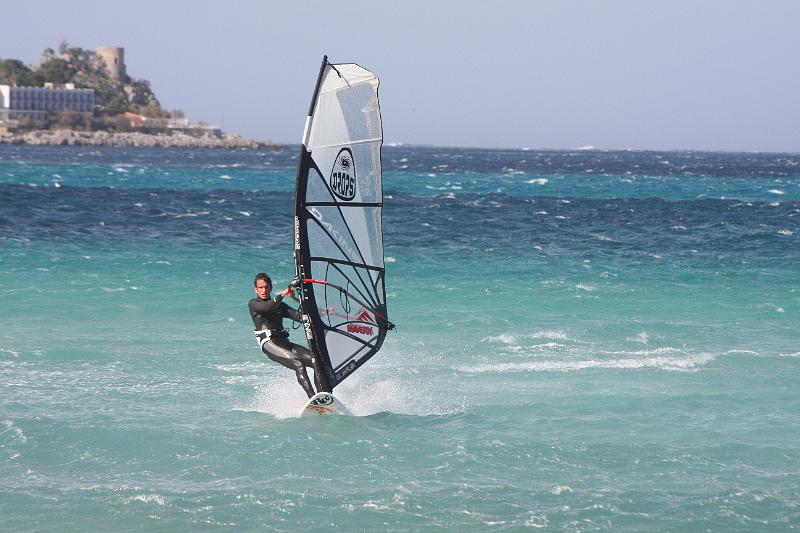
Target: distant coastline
134	139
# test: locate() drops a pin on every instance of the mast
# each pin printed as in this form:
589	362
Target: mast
301	245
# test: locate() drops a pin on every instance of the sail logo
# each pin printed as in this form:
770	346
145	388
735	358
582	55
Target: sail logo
362	329
343	175
344	372
307	327
364	316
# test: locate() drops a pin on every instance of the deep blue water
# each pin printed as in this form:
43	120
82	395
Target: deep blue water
586	341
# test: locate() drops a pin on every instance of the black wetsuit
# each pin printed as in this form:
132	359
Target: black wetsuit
268	318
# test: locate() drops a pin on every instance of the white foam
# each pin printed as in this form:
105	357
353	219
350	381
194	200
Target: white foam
551	334
150	498
785	232
18	435
243	367
504	338
197	214
662	363
280	397
538	181
776	191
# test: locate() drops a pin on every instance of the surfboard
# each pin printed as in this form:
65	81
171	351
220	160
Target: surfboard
324	403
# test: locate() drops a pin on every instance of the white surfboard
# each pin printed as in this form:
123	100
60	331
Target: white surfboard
324	403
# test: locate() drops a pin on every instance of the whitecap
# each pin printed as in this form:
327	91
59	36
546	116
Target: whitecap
225	177
776	191
504	338
551	334
661	363
18	434
785	232
538	181
390	259
150	498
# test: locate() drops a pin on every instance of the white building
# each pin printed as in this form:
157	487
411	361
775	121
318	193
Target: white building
38	102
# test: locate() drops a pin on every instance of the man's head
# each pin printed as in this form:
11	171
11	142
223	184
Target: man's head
262	285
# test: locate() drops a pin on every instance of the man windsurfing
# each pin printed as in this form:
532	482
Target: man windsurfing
268	315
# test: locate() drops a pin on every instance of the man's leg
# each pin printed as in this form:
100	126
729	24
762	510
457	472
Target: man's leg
308	359
286	357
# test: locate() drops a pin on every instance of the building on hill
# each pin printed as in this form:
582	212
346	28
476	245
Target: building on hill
38	102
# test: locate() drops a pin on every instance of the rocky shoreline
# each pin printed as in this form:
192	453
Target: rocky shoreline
176	139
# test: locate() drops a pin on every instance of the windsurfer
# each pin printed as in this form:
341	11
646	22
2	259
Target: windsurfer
268	315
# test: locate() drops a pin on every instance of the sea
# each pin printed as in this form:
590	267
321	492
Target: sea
586	341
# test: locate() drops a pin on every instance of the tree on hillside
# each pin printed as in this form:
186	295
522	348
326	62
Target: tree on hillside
80	59
15	72
57	70
117	105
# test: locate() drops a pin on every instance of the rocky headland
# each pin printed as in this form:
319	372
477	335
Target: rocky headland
136	139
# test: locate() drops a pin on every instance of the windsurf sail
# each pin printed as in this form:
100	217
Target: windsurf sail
338	236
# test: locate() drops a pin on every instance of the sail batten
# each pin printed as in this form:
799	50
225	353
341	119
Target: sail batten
338	208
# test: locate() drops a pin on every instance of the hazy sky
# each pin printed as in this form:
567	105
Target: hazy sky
712	75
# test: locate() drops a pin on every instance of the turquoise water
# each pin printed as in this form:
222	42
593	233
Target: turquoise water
586	341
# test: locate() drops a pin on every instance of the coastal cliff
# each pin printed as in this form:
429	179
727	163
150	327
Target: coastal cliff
136	139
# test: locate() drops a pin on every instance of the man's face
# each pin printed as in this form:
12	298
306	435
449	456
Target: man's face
262	289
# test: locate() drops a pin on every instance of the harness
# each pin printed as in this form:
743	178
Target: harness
264	335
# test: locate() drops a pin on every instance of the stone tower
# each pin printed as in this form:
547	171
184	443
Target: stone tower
114	60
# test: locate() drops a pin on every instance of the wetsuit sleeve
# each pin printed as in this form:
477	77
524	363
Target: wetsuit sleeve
294	314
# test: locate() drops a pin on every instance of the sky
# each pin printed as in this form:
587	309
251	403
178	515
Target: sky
554	74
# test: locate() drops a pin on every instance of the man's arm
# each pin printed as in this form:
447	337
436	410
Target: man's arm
294	314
